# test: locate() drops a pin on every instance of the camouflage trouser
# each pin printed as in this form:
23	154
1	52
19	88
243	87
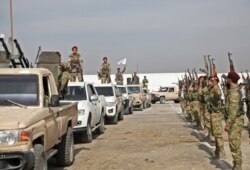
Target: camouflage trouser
216	126
206	117
183	106
105	79
196	109
234	136
73	77
188	110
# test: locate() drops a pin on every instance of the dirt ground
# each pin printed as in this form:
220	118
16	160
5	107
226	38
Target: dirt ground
157	138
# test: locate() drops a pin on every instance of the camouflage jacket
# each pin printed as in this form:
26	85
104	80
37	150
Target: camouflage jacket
234	105
214	100
118	76
105	69
194	95
203	94
75	63
145	82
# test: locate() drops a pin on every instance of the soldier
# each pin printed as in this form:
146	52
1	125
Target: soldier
105	71
204	92
145	82
234	122
75	64
135	79
214	108
119	76
195	105
63	79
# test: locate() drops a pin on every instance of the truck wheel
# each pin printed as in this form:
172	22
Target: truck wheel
131	110
114	120
121	115
141	107
176	101
87	136
40	158
144	105
153	102
162	100
65	155
101	128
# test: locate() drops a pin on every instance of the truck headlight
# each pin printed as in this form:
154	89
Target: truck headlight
10	137
110	104
81	112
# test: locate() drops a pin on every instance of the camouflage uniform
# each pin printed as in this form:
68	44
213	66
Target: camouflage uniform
75	67
204	93
195	106
214	108
135	79
234	109
119	77
248	109
63	79
105	72
145	83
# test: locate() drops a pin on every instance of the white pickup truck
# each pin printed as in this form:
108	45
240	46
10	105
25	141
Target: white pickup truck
115	107
127	99
91	110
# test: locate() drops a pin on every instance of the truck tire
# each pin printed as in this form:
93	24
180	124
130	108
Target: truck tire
144	105
65	155
141	107
114	120
87	136
131	110
40	158
176	101
101	128
121	114
153	102
162	100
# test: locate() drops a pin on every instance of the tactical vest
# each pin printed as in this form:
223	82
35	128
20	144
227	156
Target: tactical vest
105	69
119	77
75	65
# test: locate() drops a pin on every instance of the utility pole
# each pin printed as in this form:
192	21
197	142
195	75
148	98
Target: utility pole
11	39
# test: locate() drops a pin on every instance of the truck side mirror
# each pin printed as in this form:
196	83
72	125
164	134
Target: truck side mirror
54	102
94	98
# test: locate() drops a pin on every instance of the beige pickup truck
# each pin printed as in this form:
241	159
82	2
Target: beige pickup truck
167	93
33	125
139	96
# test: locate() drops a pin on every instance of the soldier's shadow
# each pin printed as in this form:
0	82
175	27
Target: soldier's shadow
220	164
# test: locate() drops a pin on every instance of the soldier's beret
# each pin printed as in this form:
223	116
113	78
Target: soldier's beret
233	76
74	47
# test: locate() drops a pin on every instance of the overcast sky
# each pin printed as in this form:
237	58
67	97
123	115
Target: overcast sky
158	35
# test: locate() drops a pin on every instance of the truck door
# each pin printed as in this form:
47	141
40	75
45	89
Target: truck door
51	122
95	104
172	93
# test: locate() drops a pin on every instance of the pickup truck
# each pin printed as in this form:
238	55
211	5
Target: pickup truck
91	110
138	95
127	98
33	125
168	93
114	102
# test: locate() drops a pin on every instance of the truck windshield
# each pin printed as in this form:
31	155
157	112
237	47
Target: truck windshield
163	89
134	89
122	90
76	93
21	89
105	91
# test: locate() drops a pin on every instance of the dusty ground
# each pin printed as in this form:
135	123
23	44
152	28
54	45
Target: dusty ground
156	139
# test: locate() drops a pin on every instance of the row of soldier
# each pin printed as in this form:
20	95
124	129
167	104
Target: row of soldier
73	71
202	101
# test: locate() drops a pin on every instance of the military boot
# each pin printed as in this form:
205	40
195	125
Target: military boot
216	152
222	153
237	167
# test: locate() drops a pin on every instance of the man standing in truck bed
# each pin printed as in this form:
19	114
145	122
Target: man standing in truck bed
75	64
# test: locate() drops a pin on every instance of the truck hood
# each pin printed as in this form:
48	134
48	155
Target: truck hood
110	99
18	118
81	104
